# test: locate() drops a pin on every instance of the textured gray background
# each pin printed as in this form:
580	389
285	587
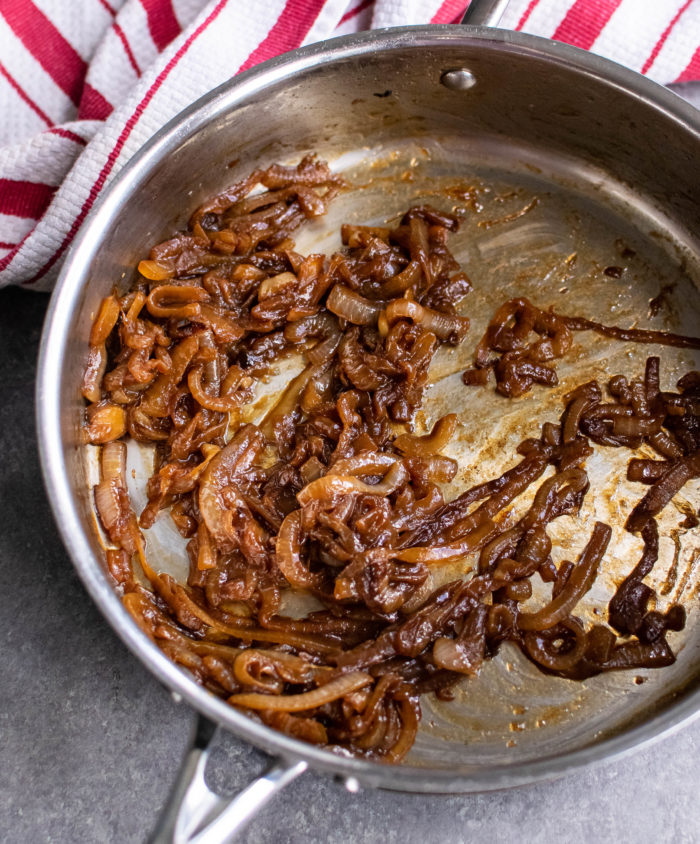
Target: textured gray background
90	742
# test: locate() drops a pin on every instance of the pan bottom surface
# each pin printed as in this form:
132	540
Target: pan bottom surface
565	236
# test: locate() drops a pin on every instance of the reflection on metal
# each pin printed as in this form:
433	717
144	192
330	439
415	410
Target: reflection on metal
194	814
459	79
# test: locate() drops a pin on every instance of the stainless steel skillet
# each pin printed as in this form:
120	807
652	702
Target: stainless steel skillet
484	121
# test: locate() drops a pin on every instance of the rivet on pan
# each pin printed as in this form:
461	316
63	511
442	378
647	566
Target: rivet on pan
177	698
352	785
458	79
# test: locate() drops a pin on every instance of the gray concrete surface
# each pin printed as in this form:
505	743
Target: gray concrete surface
89	741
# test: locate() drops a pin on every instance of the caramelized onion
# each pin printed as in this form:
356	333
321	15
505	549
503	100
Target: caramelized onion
289	556
276	284
94	372
106	422
431	443
113	462
219	404
270	669
105	321
541	648
670	483
289	398
324	504
306	729
156	401
333	690
453	551
155	270
409	715
345	303
236	458
450	328
578	584
331	485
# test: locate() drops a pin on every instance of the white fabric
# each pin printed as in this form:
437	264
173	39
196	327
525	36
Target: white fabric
144	83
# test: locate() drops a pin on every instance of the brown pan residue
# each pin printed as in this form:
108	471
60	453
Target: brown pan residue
333	495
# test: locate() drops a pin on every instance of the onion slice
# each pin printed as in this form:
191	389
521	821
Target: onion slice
345	303
331	486
431	443
288	554
237	457
579	582
340	687
453	551
447	327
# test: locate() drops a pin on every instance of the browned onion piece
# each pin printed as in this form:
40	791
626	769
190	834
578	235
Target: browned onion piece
639	655
156	270
361	235
193	616
331	485
448	327
206	554
665	444
561	493
276	284
106	422
116	515
499	548
268	671
289	556
521	365
364	463
106	319
633	426
113	462
322	325
671	482
572	417
94	372
219	404
628	606
541	649
345	303
333	690
306	729
431	443
225	329
466	653
409	715
578	584
433	469
511	484
156	401
180	301
288	400
237	457
646	471
403	281
453	551
635	335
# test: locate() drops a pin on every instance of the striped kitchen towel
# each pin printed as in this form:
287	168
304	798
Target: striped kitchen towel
84	83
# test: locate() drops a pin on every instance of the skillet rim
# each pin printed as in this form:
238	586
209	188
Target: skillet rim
75	274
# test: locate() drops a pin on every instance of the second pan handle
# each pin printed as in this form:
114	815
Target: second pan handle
194	814
484	12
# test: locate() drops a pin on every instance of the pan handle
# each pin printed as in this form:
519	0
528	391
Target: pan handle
194	814
485	12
